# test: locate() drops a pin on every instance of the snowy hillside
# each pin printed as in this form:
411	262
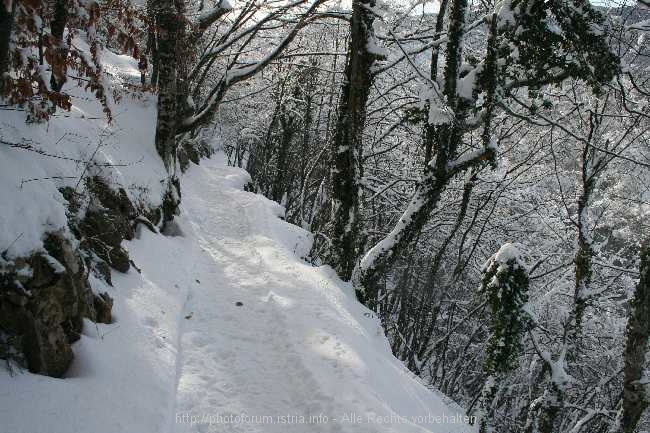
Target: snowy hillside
222	319
226	320
37	159
321	216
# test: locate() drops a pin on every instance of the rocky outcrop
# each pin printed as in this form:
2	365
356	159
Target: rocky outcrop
107	219
44	298
43	301
101	219
187	152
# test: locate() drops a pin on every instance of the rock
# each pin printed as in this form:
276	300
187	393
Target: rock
43	301
45	297
103	304
141	219
153	215
102	232
109	219
171	203
102	269
118	258
115	201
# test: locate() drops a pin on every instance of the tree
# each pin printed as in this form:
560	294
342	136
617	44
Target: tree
188	93
347	146
635	398
170	19
7	13
59	50
32	34
505	285
526	46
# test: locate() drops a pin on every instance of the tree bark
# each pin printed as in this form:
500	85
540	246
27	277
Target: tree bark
429	129
152	41
288	128
165	140
635	398
59	54
584	255
348	141
6	26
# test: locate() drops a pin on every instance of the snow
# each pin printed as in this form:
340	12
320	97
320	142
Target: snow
386	245
373	46
508	252
439	112
506	14
223	5
30	179
183	355
472	155
222	321
467	84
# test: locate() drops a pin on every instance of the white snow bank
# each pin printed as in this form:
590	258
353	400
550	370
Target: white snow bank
224	326
123	153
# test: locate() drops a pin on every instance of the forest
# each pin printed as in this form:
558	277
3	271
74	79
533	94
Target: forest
476	171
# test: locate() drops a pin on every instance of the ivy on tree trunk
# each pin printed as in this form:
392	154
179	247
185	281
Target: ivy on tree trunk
346	170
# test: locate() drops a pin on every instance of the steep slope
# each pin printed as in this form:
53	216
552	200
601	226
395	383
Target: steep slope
226	325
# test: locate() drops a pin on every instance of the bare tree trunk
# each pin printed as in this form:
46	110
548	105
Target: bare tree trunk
635	399
166	122
152	41
57	58
347	147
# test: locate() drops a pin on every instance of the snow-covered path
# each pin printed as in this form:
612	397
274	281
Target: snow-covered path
226	330
299	346
237	354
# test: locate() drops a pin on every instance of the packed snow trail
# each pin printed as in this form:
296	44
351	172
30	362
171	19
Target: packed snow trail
271	336
224	319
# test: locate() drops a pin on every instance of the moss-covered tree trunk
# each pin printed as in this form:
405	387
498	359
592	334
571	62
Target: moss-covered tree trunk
347	144
168	24
635	398
505	285
429	129
152	40
584	255
288	126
